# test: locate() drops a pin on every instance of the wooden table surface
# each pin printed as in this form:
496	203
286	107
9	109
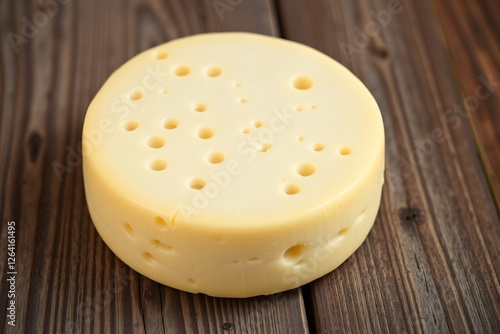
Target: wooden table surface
432	261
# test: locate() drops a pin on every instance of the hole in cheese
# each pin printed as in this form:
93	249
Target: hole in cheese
161	55
343	231
136	95
302	83
293	253
158	164
160	221
216	157
265	147
292	189
156	142
130	125
130	231
205	132
171	124
306	169
214	72
318	147
149	258
197	183
182	70
161	246
345	151
258	124
200	107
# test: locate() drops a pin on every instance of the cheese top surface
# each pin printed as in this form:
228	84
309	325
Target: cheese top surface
233	130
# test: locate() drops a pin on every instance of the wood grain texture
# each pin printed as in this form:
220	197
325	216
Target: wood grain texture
478	32
431	262
68	280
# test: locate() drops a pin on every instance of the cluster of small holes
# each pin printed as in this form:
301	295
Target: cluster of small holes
306	169
197	183
171	123
205	132
130	125
216	157
158	164
156	142
130	231
291	189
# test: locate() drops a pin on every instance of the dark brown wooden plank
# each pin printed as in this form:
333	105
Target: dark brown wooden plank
430	263
474	27
68	281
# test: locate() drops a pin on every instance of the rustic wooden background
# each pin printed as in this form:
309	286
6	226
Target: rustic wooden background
432	261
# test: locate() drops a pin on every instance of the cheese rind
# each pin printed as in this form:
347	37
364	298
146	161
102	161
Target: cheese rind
233	164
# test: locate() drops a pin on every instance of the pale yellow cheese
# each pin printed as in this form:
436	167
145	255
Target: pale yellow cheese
233	164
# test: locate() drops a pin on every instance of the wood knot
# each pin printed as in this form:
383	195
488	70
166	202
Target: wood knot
378	51
410	216
34	144
227	326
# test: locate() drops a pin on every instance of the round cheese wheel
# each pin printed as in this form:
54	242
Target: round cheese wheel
233	164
